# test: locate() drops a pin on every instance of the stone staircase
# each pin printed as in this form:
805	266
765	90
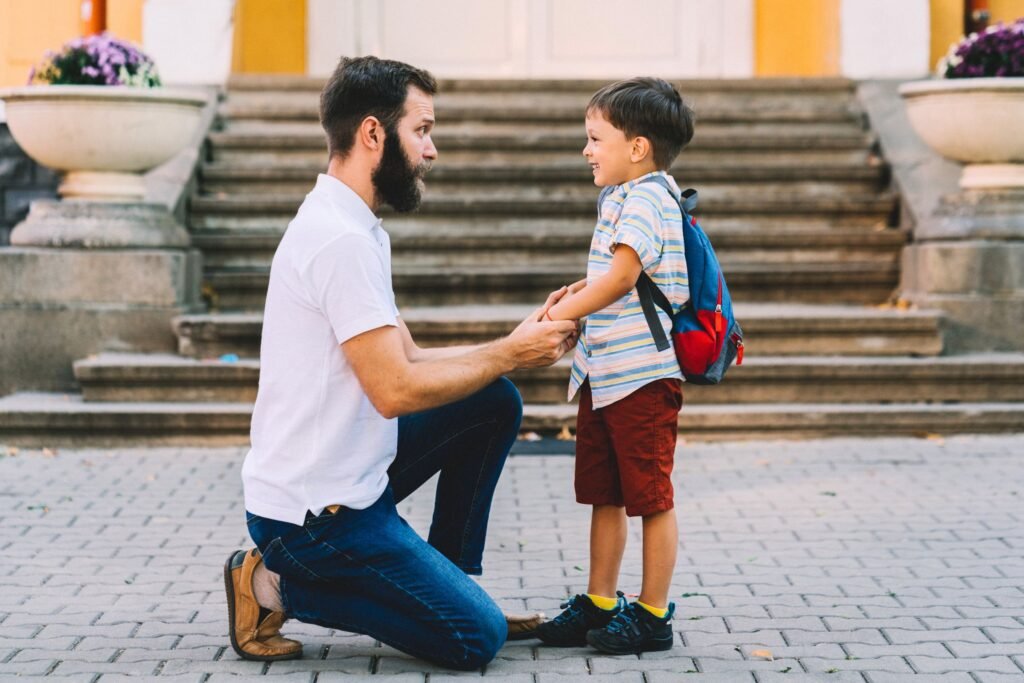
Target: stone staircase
793	194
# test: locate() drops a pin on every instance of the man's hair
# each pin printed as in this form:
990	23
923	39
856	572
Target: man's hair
366	86
650	108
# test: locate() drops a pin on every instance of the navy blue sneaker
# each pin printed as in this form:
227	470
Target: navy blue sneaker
580	615
634	630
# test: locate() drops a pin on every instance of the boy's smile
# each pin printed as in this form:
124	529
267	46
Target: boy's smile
614	159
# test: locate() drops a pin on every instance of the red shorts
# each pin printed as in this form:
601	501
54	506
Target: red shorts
625	451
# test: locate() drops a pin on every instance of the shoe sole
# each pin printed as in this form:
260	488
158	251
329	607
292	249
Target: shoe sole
229	589
659	645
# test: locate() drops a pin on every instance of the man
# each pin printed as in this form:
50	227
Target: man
352	416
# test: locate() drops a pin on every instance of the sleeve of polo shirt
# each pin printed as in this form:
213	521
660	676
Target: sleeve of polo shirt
350	285
639	225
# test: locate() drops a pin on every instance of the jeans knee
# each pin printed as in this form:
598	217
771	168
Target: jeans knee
482	646
506	400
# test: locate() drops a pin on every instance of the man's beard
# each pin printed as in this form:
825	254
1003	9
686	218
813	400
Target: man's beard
396	181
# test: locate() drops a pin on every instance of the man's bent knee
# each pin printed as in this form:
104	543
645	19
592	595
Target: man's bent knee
481	646
503	395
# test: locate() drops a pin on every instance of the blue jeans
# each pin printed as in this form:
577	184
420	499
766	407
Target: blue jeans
366	571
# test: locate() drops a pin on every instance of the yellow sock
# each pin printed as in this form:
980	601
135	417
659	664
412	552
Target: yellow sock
659	612
603	602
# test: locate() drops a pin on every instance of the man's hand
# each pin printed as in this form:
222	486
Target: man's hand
537	342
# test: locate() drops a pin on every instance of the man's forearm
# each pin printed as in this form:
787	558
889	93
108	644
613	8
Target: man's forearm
422	355
444	378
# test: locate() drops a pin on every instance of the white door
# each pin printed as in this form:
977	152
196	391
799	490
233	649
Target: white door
539	38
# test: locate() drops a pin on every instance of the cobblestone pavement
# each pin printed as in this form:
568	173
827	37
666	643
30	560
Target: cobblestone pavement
842	560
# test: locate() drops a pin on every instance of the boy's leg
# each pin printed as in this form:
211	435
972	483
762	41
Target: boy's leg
661	542
596	485
607	544
643	429
367	571
467	442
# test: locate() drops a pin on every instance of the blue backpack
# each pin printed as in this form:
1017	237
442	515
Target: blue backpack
705	334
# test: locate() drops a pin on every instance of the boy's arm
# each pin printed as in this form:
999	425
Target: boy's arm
604	291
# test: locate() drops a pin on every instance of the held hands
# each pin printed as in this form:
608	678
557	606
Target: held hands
538	341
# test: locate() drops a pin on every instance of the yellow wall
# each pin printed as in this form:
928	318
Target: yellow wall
270	36
948	24
28	30
124	19
796	37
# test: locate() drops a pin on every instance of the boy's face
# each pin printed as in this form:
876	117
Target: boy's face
610	155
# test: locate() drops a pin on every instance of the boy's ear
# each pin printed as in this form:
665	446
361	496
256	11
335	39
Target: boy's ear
640	150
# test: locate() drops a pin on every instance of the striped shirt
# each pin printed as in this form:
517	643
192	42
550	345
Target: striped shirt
616	349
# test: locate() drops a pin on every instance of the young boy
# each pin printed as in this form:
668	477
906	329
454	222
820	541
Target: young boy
630	393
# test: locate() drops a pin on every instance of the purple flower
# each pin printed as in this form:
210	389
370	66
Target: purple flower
97	60
998	52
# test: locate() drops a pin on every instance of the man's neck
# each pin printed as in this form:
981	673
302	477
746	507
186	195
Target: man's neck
356	179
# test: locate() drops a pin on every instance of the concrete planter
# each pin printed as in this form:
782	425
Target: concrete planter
104	137
975	121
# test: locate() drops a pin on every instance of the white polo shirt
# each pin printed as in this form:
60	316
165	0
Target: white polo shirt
316	438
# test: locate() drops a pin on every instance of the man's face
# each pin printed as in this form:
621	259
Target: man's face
408	154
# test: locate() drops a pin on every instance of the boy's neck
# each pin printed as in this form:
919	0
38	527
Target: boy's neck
640	172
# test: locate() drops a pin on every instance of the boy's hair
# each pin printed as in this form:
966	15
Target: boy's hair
650	108
366	86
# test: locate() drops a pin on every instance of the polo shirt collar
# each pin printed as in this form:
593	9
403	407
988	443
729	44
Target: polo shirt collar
346	199
630	184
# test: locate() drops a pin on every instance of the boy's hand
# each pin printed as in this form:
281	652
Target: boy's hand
537	341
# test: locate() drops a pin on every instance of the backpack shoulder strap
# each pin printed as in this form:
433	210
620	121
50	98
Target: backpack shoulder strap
650	295
648	292
687	198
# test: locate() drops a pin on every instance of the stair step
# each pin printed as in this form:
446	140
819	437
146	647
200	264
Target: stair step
453	245
228	175
490	137
58	420
871	206
710	107
262	83
769	329
804	379
845	283
315	156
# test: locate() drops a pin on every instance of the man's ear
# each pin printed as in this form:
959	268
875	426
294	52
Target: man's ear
641	149
371	133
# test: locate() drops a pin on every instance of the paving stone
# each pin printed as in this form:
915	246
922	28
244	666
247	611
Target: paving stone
958	677
794	677
968	635
285	678
624	677
888	664
178	678
719	677
994	664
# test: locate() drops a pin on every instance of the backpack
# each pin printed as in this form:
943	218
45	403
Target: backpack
705	334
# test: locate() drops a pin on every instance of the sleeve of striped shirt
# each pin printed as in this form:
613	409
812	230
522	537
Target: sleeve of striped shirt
639	226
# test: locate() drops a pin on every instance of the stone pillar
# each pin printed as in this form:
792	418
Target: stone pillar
85	277
966	255
21	181
967	258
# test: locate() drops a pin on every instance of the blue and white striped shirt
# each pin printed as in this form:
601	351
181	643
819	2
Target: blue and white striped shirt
616	349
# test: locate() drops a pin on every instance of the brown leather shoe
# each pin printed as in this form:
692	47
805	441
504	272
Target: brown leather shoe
252	637
523	626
